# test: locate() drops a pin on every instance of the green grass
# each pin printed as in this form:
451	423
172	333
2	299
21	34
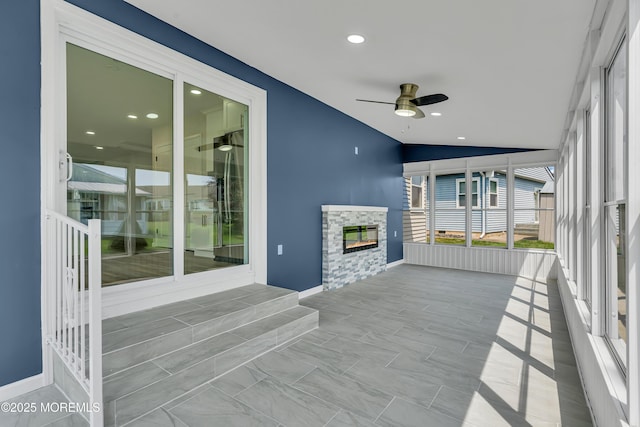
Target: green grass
230	236
521	244
533	244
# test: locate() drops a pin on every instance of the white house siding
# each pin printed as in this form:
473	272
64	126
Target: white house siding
414	222
541	174
451	218
414	226
525	198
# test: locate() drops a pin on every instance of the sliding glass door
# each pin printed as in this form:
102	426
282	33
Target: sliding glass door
121	162
215	155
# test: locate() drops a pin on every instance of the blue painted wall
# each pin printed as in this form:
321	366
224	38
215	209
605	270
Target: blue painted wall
311	162
20	352
310	154
423	153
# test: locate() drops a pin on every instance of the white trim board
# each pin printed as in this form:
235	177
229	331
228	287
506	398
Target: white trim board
350	208
320	288
311	291
395	263
21	387
497	161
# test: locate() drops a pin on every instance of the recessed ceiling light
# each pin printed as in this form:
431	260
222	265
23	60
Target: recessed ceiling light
152	116
434	114
196	91
462	138
355	39
132	116
99	147
90	132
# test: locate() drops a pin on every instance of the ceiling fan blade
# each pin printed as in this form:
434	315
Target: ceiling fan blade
377	102
419	114
430	99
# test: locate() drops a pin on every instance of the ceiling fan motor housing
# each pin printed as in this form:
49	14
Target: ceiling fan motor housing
408	92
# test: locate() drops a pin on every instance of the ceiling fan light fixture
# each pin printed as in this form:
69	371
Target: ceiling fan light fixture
405	108
222	143
404	112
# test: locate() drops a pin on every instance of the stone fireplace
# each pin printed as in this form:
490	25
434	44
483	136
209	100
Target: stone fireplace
354	243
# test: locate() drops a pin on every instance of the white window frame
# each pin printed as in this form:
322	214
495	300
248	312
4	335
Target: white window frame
411	187
497	193
618	347
458	193
63	22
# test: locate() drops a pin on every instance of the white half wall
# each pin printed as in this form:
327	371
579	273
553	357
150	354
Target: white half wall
603	384
532	264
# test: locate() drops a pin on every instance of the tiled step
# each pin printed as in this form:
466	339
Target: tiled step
137	337
168	378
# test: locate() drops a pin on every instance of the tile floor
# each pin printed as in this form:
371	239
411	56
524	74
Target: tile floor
414	346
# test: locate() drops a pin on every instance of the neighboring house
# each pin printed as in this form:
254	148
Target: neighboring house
488	201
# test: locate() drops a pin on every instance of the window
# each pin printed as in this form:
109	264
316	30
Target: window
615	192
417	201
450	219
493	193
534	207
586	235
415	215
489	220
461	186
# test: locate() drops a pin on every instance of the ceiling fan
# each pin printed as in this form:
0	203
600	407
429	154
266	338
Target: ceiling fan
407	104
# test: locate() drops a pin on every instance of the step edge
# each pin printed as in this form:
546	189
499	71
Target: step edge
208	359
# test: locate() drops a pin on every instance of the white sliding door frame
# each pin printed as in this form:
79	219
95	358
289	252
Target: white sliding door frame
62	23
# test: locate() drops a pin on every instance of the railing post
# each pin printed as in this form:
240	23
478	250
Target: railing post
95	323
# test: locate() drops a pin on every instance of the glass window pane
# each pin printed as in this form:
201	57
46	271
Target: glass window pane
449	218
416	197
621	268
415	218
615	191
215	152
120	135
489	225
534	208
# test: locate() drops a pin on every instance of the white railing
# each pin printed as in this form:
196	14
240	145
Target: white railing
74	307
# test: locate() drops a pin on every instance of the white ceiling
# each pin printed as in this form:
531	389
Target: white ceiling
508	66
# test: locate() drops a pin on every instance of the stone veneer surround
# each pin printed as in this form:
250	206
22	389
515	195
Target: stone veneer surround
340	269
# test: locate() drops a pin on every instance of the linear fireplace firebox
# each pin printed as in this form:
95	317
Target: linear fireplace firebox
359	238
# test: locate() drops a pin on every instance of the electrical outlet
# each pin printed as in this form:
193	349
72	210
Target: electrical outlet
395	233
279	249
356	151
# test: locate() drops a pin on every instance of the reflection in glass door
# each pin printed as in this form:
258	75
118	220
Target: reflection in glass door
119	134
215	153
